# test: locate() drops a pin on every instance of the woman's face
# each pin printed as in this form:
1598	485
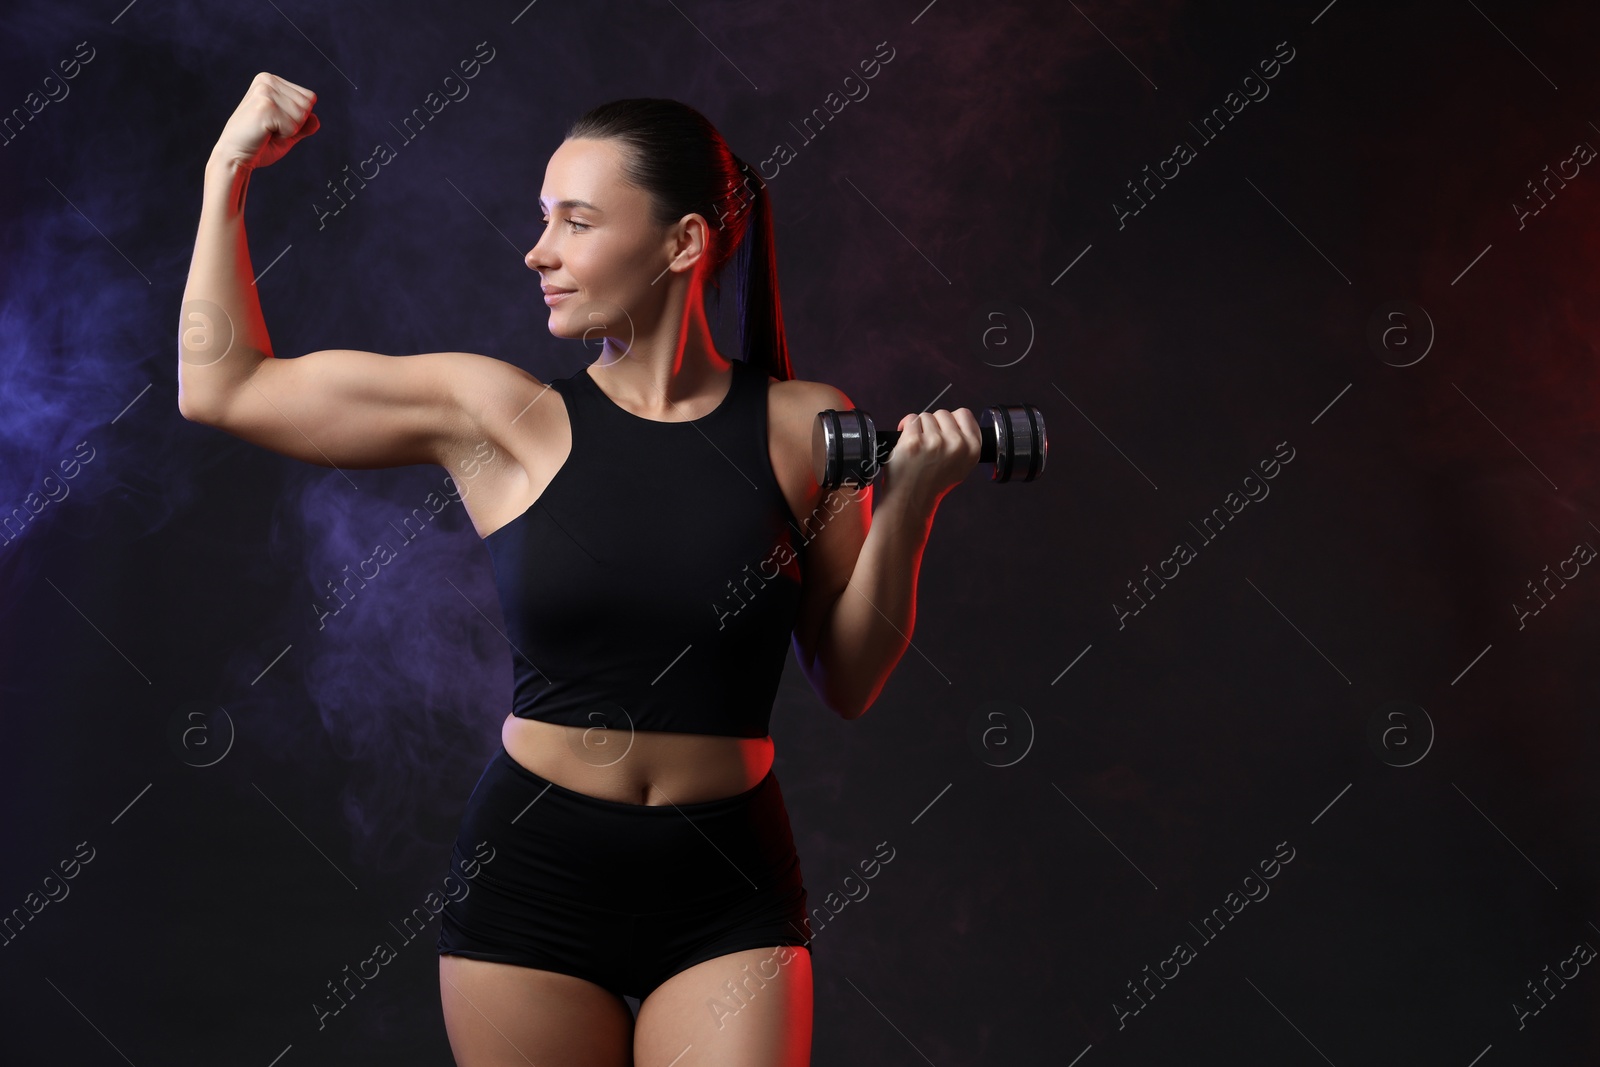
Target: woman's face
600	245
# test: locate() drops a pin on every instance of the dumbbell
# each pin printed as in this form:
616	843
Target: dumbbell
1013	440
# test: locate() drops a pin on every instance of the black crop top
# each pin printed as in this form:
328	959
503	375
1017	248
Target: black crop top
655	583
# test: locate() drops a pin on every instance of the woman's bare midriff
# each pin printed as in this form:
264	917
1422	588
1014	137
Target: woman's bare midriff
641	767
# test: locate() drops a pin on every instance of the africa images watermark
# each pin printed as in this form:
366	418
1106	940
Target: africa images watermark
1184	953
1582	953
419	918
55	91
1582	153
383	553
1184	153
1184	553
12	925
780	555
741	993
54	491
784	153
1582	554
383	153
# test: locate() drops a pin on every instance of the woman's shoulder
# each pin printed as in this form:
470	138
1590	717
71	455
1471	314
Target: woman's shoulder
501	402
806	398
495	388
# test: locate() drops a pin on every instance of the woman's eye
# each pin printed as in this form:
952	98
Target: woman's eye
574	223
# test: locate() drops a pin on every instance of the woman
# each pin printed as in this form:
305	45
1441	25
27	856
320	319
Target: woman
629	837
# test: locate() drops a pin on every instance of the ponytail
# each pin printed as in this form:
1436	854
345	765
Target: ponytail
762	340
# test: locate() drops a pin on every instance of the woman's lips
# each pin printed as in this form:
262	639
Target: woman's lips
552	298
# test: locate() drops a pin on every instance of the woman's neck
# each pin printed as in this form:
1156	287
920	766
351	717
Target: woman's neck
662	369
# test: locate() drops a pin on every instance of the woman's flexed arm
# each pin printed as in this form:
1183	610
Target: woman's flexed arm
222	336
333	408
859	601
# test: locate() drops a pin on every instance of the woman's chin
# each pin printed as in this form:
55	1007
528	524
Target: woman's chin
563	332
559	324
592	322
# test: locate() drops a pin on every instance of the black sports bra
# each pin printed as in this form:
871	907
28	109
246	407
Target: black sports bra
654	584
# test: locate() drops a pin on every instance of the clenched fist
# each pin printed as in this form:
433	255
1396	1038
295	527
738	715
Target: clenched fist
935	452
273	117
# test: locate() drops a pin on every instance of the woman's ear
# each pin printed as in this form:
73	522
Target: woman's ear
690	240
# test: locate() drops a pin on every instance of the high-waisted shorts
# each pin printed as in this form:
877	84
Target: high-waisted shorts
623	895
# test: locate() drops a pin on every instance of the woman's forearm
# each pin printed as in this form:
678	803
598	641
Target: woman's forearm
221	310
871	624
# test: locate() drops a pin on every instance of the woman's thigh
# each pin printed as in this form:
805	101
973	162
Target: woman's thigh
750	1008
503	1015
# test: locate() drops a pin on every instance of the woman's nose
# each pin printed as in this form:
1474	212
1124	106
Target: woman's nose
538	257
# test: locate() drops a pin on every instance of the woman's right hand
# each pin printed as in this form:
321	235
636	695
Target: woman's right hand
273	117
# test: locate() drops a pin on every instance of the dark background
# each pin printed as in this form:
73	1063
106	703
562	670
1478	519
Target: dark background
1054	830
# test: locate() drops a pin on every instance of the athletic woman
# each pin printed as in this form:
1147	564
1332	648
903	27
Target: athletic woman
629	837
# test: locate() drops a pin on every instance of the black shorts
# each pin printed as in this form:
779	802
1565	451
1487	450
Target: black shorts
623	895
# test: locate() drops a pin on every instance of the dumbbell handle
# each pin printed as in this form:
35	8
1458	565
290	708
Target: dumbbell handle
887	439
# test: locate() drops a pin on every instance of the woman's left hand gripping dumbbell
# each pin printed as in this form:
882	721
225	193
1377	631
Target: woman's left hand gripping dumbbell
935	452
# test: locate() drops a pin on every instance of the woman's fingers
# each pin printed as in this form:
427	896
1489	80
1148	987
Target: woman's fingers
274	115
944	431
